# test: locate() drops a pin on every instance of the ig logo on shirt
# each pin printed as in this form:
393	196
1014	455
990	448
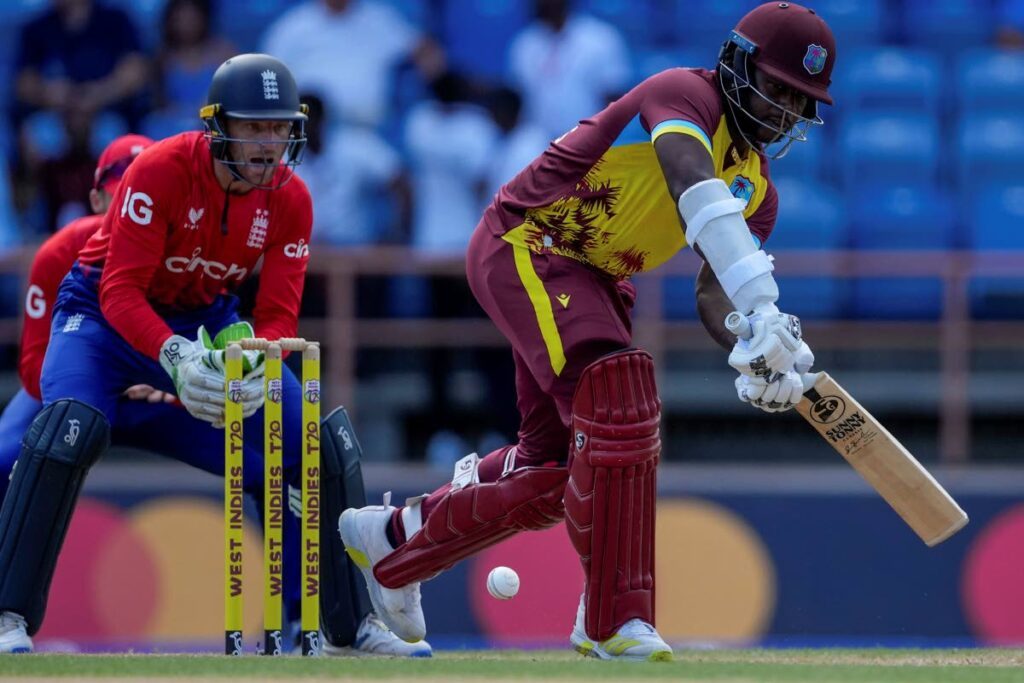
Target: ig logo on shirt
137	206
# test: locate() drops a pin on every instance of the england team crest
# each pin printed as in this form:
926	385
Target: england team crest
814	59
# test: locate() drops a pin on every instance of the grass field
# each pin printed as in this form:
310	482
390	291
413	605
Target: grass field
724	666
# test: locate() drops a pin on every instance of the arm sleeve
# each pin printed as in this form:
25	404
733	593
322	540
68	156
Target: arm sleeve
762	222
35	331
285	260
51	264
138	234
681	101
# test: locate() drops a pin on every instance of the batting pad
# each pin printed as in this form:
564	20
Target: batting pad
610	497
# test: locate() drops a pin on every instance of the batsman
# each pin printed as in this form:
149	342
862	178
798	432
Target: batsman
150	300
679	160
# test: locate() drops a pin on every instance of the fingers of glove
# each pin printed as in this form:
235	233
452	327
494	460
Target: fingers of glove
763	358
803	358
204	411
782	394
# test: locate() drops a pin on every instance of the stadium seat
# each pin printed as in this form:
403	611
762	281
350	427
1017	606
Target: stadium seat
105	128
989	150
855	22
889	79
990	81
649	61
890	146
947	25
477	33
703	24
804	160
895	217
811	216
636	19
997	215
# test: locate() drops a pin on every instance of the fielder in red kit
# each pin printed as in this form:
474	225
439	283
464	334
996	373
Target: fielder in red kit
191	220
678	160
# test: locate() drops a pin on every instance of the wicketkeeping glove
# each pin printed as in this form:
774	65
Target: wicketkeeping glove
200	388
253	363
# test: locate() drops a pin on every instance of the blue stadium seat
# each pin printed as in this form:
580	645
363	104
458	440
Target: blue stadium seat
893	217
997	214
990	81
854	22
990	147
477	33
804	160
105	128
703	24
890	146
890	79
637	19
246	28
947	25
649	61
811	216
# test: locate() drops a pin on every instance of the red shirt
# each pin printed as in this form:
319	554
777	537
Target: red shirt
51	264
162	248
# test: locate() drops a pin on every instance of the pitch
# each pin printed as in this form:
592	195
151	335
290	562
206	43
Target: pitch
731	666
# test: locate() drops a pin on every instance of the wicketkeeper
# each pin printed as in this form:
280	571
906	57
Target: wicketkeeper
151	292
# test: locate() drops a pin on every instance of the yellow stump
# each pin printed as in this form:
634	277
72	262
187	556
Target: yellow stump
233	448
273	503
310	500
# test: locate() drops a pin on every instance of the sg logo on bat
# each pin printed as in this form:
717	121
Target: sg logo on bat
828	409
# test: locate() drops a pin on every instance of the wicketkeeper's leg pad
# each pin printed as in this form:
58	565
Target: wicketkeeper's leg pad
474	516
344	602
610	498
63	442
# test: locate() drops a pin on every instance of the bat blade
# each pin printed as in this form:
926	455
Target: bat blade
881	460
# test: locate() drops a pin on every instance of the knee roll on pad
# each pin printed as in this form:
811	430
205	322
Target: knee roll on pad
469	519
63	442
610	497
344	601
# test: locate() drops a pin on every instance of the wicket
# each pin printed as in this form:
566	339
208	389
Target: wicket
273	496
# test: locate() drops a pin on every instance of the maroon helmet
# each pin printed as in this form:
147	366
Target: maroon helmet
791	44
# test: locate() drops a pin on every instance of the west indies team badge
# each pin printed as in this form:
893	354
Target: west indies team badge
814	59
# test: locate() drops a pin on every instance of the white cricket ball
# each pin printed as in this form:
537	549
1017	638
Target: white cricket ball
503	583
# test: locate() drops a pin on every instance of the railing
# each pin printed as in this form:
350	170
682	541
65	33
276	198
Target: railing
953	336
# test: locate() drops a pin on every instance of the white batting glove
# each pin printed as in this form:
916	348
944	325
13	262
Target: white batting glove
199	387
772	397
772	346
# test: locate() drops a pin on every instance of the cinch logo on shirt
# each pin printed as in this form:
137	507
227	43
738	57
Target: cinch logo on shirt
299	250
212	269
137	206
35	302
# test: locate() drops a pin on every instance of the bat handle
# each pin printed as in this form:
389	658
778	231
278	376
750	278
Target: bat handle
738	324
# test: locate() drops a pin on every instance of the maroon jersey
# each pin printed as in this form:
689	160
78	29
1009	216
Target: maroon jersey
168	245
598	194
51	263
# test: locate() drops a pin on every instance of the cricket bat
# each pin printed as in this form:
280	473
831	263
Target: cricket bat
877	455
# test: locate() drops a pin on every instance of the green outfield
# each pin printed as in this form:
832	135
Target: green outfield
732	666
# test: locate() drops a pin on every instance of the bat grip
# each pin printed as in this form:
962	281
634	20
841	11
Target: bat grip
738	324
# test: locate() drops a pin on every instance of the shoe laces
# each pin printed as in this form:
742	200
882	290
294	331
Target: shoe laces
11	620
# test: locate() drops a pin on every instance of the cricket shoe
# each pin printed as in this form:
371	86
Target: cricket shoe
364	533
13	634
635	641
374	638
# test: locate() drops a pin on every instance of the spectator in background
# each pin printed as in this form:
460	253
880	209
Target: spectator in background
83	54
567	65
520	142
64	181
188	55
348	50
343	166
449	142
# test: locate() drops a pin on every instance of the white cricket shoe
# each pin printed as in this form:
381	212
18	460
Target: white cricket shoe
635	641
13	634
364	534
374	638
